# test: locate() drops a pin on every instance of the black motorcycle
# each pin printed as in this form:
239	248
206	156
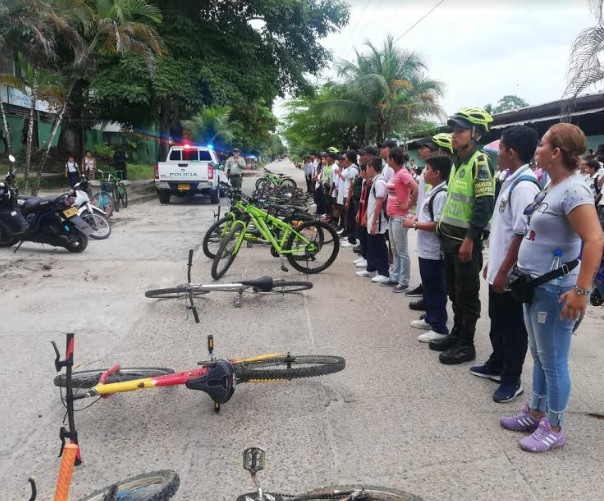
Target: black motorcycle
48	220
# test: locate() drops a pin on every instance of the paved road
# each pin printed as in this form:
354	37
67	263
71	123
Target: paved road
394	417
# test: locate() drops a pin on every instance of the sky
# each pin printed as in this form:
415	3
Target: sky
480	49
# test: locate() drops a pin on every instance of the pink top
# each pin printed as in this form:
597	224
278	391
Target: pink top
398	191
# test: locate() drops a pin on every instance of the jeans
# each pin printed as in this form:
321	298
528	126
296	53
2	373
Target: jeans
400	251
435	294
377	254
549	342
508	336
463	287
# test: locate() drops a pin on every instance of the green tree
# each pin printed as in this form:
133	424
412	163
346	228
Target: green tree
212	125
586	58
508	103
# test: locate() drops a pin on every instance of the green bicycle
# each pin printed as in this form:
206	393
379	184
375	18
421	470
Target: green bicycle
273	180
309	246
112	185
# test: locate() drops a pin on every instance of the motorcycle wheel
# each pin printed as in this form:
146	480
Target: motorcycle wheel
99	223
6	240
77	242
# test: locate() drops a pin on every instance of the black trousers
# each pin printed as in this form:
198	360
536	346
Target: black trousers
362	236
377	254
463	287
508	336
351	226
309	184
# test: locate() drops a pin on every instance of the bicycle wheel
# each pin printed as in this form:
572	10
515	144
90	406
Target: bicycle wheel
285	287
174	293
312	247
229	247
211	240
287	367
361	493
123	194
104	201
288	184
156	486
88	379
99	223
261	184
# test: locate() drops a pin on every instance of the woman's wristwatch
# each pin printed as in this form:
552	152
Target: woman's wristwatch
581	292
415	225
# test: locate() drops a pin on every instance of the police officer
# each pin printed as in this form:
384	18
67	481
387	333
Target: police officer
235	166
467	211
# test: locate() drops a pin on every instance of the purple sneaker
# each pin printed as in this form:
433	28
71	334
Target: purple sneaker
522	421
544	438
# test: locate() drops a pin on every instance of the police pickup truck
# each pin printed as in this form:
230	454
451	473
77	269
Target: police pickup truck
188	171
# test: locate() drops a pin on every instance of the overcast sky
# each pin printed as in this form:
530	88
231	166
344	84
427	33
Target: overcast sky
481	49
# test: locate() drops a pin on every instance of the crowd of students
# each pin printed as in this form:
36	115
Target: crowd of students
542	220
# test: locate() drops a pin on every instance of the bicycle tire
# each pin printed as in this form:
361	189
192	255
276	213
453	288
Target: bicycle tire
307	253
155	486
174	292
288	184
225	255
262	184
287	287
123	195
88	379
104	201
213	236
371	493
101	222
276	368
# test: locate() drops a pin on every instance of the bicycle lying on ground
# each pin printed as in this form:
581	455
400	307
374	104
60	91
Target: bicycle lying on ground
309	247
263	285
253	461
216	377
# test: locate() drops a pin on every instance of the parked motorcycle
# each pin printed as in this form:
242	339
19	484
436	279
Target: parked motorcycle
48	220
93	215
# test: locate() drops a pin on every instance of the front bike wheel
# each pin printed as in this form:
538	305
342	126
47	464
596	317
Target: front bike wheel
123	194
88	379
312	247
99	223
360	493
229	247
212	238
104	201
156	486
174	292
287	367
288	184
285	287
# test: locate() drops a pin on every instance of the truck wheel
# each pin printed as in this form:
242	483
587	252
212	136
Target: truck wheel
164	197
214	196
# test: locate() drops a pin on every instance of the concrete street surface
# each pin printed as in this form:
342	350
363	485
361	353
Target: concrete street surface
394	417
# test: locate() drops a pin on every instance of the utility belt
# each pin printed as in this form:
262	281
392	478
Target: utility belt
522	286
235	175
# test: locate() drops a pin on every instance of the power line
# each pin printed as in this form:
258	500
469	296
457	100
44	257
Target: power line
421	19
345	44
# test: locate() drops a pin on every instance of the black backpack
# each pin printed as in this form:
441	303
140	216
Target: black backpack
431	202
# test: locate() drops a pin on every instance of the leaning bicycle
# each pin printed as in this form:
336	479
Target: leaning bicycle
309	247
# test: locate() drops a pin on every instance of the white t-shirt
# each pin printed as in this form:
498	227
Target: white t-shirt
387	171
334	179
428	243
549	230
509	219
351	173
377	190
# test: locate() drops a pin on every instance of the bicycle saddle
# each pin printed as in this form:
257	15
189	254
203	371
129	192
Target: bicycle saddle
263	284
218	382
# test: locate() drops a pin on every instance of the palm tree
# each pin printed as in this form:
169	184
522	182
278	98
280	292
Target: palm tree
386	90
585	66
212	124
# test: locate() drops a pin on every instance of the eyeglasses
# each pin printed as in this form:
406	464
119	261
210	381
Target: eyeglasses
535	204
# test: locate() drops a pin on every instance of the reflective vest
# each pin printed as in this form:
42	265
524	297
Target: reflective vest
457	213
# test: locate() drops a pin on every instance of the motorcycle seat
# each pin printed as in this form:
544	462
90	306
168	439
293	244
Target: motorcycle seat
31	204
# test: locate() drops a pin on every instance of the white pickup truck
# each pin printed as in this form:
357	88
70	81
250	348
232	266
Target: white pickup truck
188	171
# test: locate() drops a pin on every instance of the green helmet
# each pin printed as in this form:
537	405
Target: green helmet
332	149
443	141
467	118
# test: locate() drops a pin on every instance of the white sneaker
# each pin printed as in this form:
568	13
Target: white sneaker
362	264
364	273
380	279
358	260
426	337
421	324
346	244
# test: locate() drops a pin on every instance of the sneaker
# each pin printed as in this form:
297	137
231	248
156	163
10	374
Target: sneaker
357	249
341	231
358	260
400	288
380	279
426	337
346	244
421	324
417	305
364	273
486	372
389	283
417	292
507	392
362	264
521	421
458	354
543	438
